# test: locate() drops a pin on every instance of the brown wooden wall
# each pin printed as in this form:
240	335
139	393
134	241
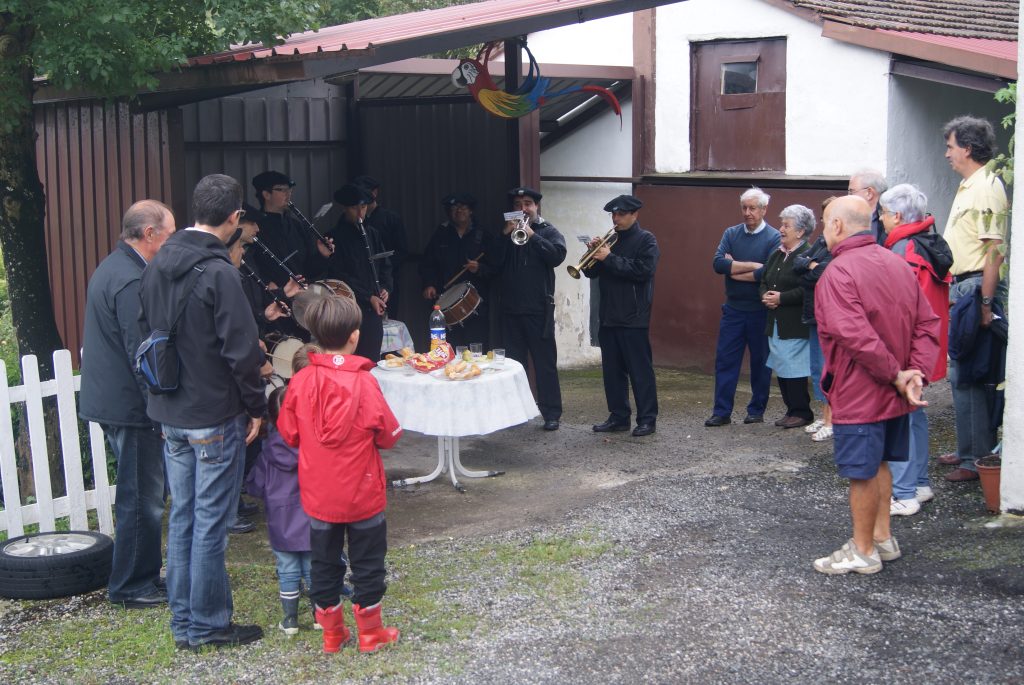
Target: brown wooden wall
688	295
95	159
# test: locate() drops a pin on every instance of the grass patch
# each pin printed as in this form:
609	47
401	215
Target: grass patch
991	550
428	600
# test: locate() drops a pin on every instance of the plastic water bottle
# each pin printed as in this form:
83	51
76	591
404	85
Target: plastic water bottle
437	327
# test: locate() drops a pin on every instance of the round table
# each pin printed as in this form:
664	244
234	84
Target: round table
424	403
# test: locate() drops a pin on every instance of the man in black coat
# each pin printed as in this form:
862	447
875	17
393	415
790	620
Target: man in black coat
625	274
391	231
356	245
283	233
114	397
457	246
527	283
213	414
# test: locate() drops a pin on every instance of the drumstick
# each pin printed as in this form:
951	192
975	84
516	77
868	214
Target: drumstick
456	276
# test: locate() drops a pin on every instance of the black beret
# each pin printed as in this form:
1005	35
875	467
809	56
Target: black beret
624	203
269	179
459	199
351	195
367	182
528	192
252	213
234	237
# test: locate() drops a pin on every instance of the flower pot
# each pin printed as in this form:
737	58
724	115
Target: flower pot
988	473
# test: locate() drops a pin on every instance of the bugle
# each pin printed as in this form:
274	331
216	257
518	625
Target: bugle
588	260
519	235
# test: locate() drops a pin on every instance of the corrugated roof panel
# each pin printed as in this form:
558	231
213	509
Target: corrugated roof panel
363	35
1003	49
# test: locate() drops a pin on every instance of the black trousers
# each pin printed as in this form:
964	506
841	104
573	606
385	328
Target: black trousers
796	397
367	547
371	335
626	360
524	336
474	328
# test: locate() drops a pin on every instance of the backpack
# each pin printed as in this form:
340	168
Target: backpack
156	359
934	248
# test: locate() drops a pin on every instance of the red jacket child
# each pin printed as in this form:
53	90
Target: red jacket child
335	413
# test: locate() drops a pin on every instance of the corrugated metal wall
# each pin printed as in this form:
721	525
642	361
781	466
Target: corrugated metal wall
95	159
419	154
298	129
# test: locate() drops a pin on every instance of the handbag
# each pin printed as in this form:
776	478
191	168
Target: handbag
156	360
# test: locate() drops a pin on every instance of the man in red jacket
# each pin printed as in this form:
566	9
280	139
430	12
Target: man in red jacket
880	339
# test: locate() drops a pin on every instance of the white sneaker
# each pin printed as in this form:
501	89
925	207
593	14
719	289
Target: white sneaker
814	427
824	433
924	494
848	558
888	550
904	507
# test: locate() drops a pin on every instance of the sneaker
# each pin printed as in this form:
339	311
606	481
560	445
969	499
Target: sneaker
232	636
848	558
822	434
924	494
289	624
814	427
904	507
888	550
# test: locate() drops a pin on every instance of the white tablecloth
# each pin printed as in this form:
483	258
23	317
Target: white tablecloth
497	399
396	336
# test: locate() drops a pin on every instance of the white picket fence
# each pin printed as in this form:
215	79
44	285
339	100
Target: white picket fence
47	509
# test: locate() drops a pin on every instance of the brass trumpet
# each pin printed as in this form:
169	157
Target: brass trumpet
587	260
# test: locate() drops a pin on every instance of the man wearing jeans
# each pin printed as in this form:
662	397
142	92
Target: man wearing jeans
214	412
740	258
113	397
974	230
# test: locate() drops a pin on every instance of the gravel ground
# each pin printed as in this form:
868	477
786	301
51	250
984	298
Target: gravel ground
699	566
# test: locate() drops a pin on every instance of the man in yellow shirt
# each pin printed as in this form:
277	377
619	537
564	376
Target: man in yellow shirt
975	229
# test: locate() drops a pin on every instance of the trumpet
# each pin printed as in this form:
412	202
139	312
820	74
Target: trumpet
519	235
587	260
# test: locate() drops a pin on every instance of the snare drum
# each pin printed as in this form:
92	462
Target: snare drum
281	355
332	286
273	383
458	302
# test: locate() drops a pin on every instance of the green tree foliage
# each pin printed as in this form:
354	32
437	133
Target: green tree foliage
1002	164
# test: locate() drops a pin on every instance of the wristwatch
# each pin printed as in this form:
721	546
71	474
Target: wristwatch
986	301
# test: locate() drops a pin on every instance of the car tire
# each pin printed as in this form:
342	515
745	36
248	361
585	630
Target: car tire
49	565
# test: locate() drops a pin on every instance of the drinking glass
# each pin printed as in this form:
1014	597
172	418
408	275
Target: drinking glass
499	356
458	351
477	349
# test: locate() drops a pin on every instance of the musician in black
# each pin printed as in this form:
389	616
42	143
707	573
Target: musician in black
283	232
355	260
527	282
391	230
625	274
457	246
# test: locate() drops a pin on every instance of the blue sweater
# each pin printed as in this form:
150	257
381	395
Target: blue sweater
744	247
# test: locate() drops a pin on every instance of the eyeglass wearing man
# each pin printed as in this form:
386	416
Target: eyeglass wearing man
869	185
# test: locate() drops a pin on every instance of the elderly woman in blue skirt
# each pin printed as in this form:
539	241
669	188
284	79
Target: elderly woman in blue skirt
781	292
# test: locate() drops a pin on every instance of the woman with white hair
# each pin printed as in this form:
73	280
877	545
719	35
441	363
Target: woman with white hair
781	292
911	234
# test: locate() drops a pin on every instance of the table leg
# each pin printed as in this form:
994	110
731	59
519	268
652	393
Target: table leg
443	459
457	466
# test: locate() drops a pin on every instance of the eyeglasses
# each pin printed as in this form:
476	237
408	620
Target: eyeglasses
854	191
282	189
241	213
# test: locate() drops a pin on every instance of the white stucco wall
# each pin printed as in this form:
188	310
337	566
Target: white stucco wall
608	42
599	149
917	112
836	94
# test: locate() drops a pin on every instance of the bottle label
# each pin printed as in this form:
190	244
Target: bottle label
437	336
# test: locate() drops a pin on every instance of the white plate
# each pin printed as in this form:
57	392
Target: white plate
383	364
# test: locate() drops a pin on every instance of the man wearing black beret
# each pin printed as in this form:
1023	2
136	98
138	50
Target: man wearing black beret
527	282
625	274
391	231
356	244
456	246
282	233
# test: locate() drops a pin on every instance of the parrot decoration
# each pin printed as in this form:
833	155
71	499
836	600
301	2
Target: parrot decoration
473	74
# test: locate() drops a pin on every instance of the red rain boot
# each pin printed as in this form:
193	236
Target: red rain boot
372	633
332	621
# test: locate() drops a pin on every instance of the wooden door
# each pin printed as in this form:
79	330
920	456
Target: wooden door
738	120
